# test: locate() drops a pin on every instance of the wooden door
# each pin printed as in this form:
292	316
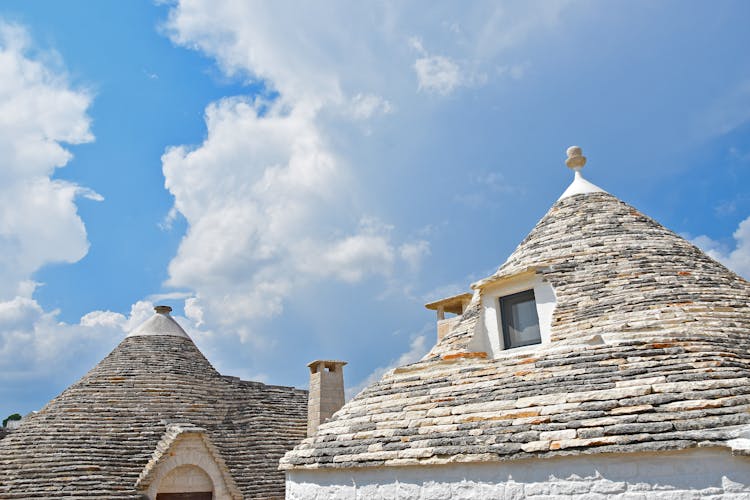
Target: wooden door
185	496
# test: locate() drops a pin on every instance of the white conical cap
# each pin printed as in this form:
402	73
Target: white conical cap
160	323
575	162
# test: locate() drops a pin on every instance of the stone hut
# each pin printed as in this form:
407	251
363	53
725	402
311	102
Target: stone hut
606	358
155	420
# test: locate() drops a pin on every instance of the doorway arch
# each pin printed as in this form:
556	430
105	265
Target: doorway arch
186	482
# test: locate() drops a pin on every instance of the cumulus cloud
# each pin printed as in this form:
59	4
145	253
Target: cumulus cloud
102	318
735	257
440	74
39	113
294	51
267	205
35	344
268	42
364	106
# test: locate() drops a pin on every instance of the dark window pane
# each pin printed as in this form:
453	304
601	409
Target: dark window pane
519	319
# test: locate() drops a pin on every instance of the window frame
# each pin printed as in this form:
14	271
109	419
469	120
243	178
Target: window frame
506	302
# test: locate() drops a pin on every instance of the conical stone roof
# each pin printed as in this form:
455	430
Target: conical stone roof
615	270
649	351
97	436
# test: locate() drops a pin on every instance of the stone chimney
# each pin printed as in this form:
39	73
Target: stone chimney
326	392
453	305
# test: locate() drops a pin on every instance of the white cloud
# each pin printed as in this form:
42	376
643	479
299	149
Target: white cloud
269	42
39	112
737	258
160	297
295	52
353	257
34	344
413	252
193	311
268	210
103	318
438	74
364	106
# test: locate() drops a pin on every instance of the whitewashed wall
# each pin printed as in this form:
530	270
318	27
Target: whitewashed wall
694	474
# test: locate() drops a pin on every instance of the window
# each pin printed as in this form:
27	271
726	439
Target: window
519	319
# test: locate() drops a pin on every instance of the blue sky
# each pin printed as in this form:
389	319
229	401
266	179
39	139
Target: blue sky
297	180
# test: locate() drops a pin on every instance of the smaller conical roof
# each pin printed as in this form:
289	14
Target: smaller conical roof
161	323
96	439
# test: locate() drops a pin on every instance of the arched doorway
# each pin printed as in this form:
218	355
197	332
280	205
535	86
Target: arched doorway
186	482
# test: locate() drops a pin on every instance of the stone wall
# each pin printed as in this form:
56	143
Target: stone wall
692	474
197	468
185	479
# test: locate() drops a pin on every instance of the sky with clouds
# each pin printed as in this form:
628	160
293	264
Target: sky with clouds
296	179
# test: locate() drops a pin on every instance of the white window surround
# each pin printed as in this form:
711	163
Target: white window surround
489	335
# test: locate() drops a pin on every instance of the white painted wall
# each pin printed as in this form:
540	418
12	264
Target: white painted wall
489	334
691	474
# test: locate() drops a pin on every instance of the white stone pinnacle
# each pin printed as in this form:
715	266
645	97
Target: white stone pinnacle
575	162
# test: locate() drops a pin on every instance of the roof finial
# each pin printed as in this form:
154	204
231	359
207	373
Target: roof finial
163	309
575	160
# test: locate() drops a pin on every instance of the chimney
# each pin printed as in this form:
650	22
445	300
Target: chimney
326	392
456	305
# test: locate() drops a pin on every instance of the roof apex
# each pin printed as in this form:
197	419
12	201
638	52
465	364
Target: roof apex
160	323
576	162
580	186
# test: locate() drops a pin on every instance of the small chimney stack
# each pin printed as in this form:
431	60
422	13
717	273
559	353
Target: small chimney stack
326	394
456	304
